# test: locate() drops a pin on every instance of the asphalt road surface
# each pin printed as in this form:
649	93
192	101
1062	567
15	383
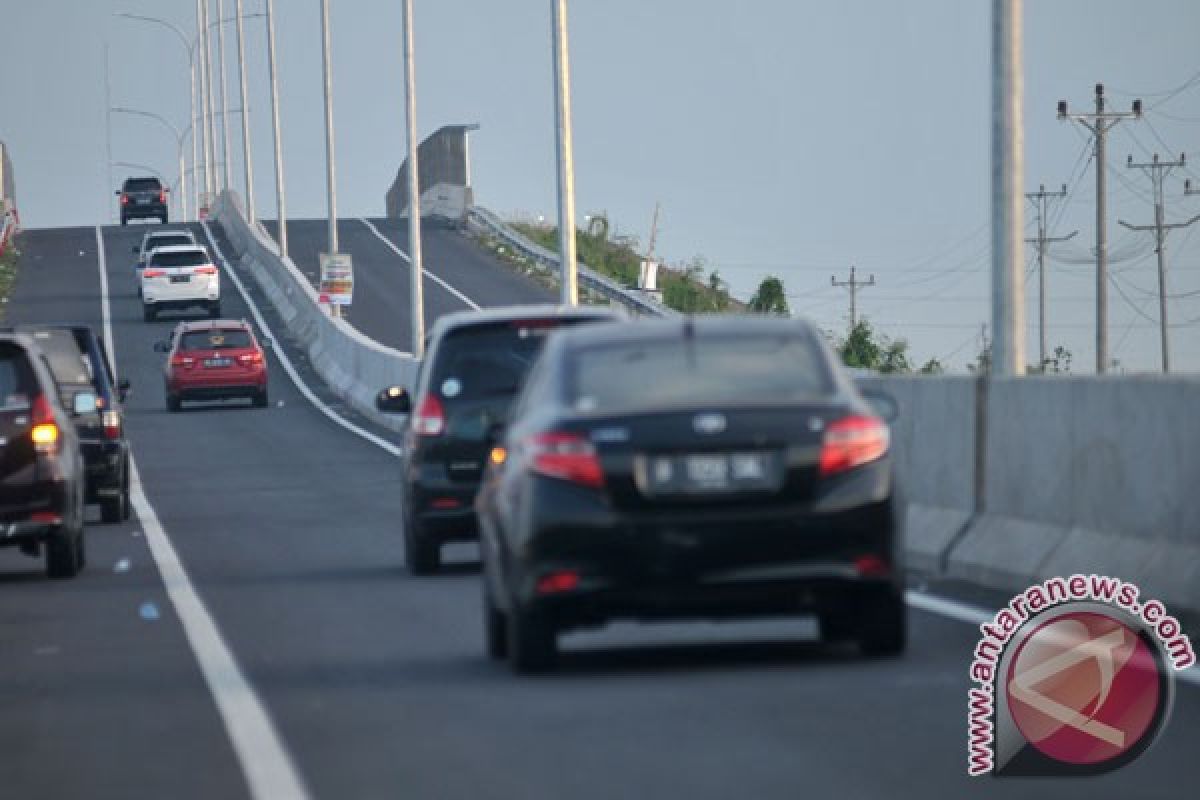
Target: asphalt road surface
373	684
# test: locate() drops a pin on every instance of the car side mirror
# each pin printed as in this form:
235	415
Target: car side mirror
85	403
162	347
882	403
123	389
117	192
394	400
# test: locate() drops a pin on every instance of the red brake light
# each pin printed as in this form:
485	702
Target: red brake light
430	419
250	359
851	442
124	199
112	424
41	411
565	580
207	269
871	566
45	431
186	362
162	195
567	456
153	273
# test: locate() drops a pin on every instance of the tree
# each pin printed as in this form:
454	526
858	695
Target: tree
932	367
860	348
770	297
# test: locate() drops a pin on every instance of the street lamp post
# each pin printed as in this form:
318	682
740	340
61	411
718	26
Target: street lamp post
247	163
179	136
414	188
330	170
566	154
279	202
224	90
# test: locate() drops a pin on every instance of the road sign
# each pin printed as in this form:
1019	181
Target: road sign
337	278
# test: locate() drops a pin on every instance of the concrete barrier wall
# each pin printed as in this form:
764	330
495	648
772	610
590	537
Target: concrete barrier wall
1014	480
444	178
353	365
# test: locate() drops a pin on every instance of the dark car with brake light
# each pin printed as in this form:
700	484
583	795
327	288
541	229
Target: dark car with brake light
42	478
475	362
702	468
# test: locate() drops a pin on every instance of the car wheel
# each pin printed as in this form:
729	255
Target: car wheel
173	402
494	625
63	553
883	626
148	313
260	399
422	556
532	641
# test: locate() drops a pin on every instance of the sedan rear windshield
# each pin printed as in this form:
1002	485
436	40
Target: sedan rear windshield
142	185
69	365
186	258
219	339
703	371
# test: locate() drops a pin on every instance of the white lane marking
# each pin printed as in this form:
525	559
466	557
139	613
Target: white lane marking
976	616
378	441
266	764
471	303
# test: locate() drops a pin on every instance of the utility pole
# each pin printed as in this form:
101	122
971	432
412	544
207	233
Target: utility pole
1008	184
330	171
224	92
566	154
1041	201
1100	123
1158	171
108	192
854	284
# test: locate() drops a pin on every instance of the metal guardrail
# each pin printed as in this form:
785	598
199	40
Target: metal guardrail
589	279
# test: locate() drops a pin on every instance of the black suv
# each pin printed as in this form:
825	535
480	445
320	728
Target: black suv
79	363
475	363
42	480
143	197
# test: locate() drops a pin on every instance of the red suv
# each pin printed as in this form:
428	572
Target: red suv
213	360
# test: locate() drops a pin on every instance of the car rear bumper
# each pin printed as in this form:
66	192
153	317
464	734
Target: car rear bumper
191	297
31	513
445	511
219	392
133	211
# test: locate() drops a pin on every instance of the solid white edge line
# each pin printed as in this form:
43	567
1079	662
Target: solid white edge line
286	363
268	768
976	616
471	303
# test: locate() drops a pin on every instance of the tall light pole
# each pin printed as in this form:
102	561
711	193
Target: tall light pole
179	136
279	201
1100	123
198	50
189	51
246	160
330	171
213	182
566	153
1008	181
414	188
224	91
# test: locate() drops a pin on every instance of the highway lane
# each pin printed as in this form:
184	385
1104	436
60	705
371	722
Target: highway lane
382	278
376	681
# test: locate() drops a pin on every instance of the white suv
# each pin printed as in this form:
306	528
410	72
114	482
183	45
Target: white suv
180	277
160	238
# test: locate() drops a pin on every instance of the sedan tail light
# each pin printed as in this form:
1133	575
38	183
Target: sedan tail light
250	359
154	273
187	362
207	269
853	441
112	424
430	418
45	432
566	456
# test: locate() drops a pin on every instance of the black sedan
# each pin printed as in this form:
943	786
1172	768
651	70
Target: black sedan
703	468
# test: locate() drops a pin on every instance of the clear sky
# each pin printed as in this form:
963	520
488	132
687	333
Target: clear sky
781	136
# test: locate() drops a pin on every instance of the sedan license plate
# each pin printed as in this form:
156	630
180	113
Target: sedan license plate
180	278
710	473
217	362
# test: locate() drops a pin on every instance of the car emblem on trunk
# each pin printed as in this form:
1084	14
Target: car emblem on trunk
709	423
